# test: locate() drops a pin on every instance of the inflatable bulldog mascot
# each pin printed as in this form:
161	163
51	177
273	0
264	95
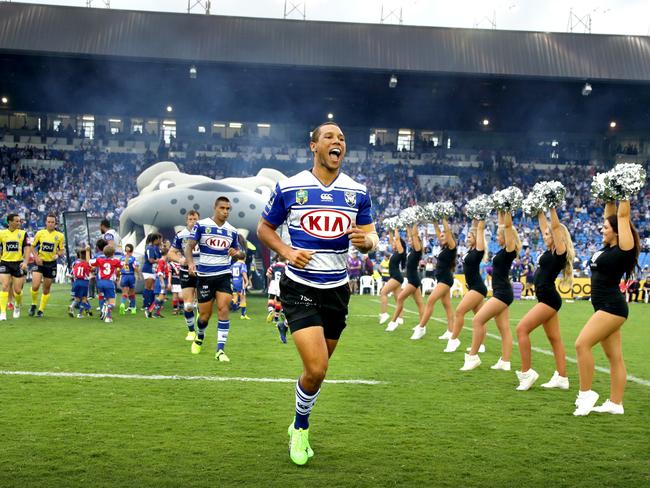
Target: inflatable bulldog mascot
166	194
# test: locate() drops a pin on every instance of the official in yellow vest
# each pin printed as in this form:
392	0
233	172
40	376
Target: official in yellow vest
16	249
47	246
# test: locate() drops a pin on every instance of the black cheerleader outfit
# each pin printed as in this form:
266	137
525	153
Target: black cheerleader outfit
548	267
501	286
445	266
396	261
471	268
412	262
607	268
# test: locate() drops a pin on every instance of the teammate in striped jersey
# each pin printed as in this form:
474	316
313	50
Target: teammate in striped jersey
218	242
188	283
111	236
326	212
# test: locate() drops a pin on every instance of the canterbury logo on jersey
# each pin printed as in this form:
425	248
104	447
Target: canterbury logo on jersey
217	243
325	224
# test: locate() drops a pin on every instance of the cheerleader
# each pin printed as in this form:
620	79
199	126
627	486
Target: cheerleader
557	258
445	277
395	280
413	285
477	291
618	256
502	296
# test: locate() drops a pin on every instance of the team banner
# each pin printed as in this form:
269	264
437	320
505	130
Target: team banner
76	231
93	227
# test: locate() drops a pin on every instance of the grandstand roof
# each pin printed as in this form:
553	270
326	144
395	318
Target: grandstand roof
74	31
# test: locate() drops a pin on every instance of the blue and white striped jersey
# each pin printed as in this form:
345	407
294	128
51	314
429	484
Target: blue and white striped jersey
112	237
214	242
180	241
317	217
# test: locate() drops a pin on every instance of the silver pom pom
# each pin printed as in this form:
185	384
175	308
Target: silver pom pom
392	223
627	179
533	204
601	187
411	216
479	208
508	200
430	211
443	210
544	196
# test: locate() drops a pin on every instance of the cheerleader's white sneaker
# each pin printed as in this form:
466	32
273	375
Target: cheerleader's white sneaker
452	345
585	403
502	365
609	407
557	381
418	333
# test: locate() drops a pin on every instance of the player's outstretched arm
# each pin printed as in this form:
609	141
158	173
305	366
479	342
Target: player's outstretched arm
267	235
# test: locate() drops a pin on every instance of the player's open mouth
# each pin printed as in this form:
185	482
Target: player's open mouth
335	154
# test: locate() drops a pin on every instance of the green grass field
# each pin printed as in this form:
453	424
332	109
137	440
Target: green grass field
426	424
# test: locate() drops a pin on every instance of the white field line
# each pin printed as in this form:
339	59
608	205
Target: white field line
156	377
602	369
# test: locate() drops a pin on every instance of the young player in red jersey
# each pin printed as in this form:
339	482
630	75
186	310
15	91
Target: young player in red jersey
177	291
108	268
81	274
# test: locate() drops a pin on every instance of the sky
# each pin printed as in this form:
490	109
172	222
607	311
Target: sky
626	17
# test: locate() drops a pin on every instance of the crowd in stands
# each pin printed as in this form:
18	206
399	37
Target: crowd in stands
102	183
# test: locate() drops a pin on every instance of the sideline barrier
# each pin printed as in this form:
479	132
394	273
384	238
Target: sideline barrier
581	287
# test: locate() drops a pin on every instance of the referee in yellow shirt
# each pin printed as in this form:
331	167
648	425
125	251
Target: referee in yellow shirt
47	246
16	249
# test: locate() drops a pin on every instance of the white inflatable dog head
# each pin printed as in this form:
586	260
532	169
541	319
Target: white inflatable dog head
167	194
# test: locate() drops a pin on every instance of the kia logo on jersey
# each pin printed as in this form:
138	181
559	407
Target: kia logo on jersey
216	242
325	224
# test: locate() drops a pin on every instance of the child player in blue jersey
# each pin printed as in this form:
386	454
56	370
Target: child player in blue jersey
239	285
326	212
151	256
130	267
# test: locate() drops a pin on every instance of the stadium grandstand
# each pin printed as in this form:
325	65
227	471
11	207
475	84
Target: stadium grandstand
102	111
421	110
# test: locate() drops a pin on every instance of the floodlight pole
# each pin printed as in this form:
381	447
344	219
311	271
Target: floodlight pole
492	21
392	14
300	8
204	5
576	21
